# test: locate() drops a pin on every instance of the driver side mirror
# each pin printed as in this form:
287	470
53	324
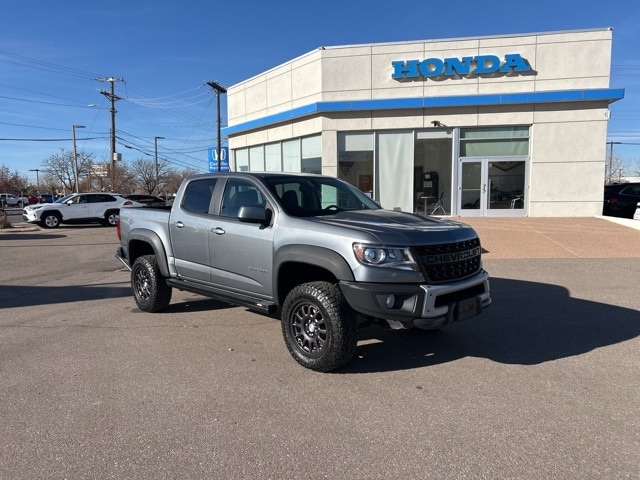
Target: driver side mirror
253	215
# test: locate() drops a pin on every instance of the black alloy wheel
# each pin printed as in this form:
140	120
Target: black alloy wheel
318	326
150	289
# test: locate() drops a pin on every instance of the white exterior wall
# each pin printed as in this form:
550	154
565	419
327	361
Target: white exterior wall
567	140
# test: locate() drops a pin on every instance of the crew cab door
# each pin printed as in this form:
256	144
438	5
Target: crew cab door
241	253
189	227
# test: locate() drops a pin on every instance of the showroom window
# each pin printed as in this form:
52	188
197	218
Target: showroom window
291	156
494	141
355	159
256	158
297	155
312	154
273	157
242	160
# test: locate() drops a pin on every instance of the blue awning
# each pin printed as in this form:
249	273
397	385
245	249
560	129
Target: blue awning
602	94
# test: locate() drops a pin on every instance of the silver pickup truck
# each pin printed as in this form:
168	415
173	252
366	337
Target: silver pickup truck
312	248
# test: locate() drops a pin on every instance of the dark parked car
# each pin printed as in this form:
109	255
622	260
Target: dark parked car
149	200
49	198
621	199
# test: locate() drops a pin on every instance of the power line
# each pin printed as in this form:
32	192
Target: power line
46	66
141	148
49	139
43	102
173	161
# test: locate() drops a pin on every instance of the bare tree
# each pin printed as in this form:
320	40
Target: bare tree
125	179
13	182
149	181
636	167
61	167
143	172
50	184
174	178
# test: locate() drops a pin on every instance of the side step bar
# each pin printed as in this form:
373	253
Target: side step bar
225	296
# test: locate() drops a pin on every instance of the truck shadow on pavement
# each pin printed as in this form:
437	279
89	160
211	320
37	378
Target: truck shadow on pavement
31	236
15	296
529	323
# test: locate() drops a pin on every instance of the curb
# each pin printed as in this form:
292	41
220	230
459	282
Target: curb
19	228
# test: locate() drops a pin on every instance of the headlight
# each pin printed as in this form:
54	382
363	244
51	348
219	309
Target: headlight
386	257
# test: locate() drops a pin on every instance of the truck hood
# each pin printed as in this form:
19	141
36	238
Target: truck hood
393	227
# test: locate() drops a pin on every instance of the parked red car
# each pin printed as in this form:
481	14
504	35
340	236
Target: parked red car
33	199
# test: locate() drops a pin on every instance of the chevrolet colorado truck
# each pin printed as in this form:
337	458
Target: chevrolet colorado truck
311	248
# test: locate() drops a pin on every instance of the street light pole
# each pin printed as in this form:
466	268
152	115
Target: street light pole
75	155
219	89
156	190
37	170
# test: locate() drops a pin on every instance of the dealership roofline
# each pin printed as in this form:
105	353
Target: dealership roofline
462	39
590	95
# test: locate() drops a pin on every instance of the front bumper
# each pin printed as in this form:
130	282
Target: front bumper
420	305
30	216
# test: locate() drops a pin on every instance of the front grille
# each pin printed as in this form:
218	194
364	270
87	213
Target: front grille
449	261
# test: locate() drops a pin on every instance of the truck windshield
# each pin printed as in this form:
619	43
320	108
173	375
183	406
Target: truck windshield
316	196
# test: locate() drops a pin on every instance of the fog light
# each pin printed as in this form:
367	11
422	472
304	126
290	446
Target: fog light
390	301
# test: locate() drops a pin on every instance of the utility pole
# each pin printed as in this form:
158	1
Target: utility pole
75	156
156	190
611	144
37	170
111	95
219	89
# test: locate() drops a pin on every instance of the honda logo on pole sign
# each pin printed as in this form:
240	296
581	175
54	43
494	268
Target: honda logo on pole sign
213	159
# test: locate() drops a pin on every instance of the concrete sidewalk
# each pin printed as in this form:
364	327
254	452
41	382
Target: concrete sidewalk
585	237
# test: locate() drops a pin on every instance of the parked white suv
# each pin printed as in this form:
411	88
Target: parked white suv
11	200
77	208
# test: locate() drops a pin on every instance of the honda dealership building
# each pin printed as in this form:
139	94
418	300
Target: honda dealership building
510	125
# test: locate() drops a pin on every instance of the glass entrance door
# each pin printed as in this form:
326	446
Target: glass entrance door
472	188
491	188
506	181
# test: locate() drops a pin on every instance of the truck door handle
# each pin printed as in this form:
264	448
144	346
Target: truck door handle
178	224
218	231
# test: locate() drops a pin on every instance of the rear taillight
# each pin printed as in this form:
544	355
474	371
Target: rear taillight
127	203
613	200
118	228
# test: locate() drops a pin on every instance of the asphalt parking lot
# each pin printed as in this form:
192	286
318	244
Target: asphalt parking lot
544	384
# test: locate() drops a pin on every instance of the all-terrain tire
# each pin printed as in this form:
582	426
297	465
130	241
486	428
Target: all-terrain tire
318	326
150	289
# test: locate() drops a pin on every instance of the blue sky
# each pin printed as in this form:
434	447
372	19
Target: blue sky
51	54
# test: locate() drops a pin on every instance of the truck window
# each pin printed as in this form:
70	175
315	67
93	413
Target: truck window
197	195
240	193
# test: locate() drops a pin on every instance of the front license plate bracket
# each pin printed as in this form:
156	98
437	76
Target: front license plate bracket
468	308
